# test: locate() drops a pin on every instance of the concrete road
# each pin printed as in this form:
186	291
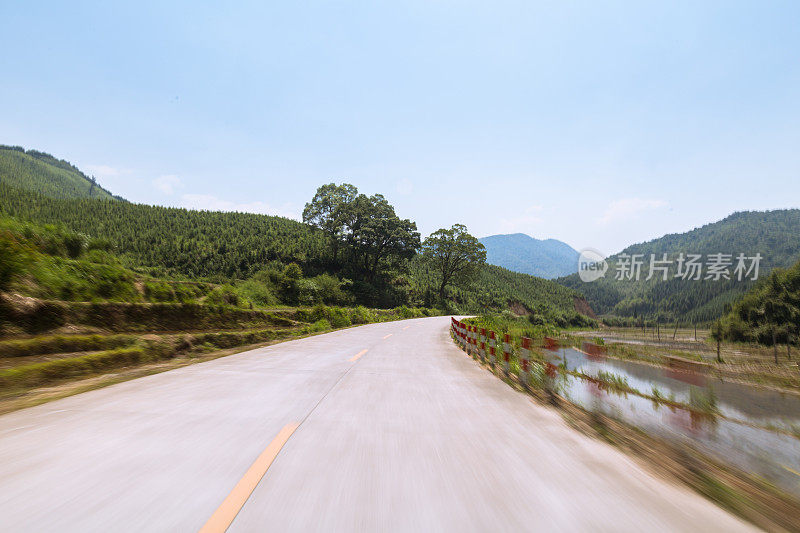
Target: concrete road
409	435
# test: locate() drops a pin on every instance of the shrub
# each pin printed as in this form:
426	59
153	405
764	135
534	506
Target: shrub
13	260
257	292
330	290
362	315
338	317
223	295
320	325
306	291
158	291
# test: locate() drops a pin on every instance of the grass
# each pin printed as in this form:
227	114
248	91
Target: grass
614	381
63	344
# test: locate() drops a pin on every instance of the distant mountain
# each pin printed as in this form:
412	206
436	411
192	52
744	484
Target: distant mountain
44	174
521	253
773	234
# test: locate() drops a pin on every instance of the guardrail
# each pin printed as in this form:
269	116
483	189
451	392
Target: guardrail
481	344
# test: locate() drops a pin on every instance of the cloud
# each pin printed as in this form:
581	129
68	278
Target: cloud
210	202
629	208
167	183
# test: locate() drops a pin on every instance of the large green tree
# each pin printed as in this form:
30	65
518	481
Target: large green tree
329	211
455	255
380	239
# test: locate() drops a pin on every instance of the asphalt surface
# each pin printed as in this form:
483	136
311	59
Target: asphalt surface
410	435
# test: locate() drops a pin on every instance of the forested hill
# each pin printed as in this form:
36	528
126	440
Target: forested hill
773	234
232	247
195	244
43	173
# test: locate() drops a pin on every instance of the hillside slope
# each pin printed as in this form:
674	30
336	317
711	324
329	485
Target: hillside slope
548	258
42	173
224	247
181	241
773	234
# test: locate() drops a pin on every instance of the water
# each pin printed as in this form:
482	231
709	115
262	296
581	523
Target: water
742	438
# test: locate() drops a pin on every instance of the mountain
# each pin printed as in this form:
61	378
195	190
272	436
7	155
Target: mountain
773	234
226	247
42	173
548	258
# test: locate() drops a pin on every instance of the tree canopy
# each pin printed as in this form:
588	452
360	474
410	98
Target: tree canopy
455	255
374	238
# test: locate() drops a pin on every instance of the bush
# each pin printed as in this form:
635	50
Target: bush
362	315
223	295
338	317
13	260
257	292
320	325
306	292
158	291
406	312
330	290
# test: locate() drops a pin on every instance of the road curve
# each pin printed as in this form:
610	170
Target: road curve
409	435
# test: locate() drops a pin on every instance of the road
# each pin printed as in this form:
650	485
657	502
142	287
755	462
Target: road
381	427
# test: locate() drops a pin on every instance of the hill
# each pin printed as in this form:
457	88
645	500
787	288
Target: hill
251	252
548	258
773	234
42	173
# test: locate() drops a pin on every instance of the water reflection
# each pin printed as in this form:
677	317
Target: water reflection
739	438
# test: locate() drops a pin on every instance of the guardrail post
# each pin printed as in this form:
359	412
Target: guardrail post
492	346
524	362
482	351
472	347
506	353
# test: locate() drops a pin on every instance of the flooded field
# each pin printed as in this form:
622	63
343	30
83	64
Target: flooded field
755	430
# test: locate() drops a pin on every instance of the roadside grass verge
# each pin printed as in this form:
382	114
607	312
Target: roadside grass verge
63	344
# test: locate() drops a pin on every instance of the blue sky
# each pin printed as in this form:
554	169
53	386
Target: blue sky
597	123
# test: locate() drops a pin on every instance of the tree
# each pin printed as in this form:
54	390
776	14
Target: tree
328	211
455	255
717	333
378	237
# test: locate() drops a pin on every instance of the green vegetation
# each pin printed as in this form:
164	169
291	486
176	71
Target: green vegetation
455	256
43	173
354	250
768	314
773	234
63	344
614	381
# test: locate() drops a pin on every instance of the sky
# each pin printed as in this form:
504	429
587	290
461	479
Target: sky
601	124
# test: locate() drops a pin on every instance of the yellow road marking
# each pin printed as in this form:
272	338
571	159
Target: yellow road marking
405	328
791	470
225	513
356	356
387	336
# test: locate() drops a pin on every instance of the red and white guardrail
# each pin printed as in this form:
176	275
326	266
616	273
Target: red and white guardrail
481	344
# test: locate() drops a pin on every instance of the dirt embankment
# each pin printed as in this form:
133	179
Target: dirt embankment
583	307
